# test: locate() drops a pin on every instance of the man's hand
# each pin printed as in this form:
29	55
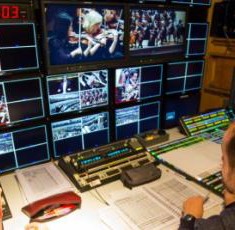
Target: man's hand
35	226
194	206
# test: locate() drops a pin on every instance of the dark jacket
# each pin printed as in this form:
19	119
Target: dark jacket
225	220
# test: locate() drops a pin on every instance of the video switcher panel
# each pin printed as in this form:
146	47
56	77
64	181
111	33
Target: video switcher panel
98	166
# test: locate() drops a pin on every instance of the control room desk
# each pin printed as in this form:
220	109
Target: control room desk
85	218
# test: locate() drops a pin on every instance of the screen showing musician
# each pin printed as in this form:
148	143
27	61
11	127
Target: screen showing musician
77	91
156	31
78	34
138	83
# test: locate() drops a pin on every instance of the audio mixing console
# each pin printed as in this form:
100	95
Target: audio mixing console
183	142
205	122
98	166
212	180
214	136
5	207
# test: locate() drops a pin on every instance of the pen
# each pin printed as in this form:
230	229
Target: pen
206	198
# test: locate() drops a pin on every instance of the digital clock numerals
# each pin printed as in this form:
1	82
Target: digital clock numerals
9	12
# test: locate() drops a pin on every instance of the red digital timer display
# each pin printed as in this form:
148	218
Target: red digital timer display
9	12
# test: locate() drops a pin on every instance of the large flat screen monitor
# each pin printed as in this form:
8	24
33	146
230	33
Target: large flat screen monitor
184	77
18	47
23	147
138	83
136	119
74	92
73	135
157	32
79	35
21	101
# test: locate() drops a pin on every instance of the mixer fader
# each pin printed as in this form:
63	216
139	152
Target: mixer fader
94	167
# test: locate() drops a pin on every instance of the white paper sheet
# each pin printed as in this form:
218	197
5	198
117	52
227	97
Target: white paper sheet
156	206
41	181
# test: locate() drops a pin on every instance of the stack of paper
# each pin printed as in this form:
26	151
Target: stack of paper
41	181
154	206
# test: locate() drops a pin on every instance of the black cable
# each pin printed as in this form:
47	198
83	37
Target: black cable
100	197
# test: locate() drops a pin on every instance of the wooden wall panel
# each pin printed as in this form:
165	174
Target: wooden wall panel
219	69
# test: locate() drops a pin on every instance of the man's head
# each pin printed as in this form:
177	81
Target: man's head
228	158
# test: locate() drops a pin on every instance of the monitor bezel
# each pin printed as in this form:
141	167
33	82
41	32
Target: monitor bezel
189	39
85	65
158	58
33	125
91	109
139	100
81	116
33	120
35	68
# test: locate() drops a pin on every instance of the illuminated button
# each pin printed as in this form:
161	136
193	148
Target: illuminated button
139	148
219	187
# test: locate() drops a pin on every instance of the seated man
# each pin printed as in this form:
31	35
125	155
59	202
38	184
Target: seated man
193	207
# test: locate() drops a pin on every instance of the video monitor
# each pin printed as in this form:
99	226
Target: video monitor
177	106
136	119
157	31
18	47
184	77
77	91
196	39
20	101
74	135
138	83
24	147
80	35
193	2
